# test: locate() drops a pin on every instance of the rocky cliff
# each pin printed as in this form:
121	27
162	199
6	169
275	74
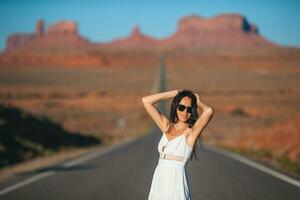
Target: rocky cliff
59	36
61	44
229	31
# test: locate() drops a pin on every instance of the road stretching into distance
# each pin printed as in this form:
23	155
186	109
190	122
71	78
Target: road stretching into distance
125	171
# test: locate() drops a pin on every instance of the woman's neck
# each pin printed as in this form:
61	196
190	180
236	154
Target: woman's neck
181	125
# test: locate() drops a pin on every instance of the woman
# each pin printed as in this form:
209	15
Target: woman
177	143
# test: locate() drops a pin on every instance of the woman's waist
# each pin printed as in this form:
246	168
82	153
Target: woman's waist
173	157
176	163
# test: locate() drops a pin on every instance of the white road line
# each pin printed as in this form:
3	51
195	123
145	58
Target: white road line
72	163
254	165
26	182
95	154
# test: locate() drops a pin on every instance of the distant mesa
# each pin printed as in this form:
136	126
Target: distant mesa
135	39
15	41
62	44
62	34
222	23
227	30
230	31
63	28
223	31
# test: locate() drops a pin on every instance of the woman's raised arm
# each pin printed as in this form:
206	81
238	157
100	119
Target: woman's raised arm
203	120
150	100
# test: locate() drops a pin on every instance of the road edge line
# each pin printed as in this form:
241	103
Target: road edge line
76	161
254	164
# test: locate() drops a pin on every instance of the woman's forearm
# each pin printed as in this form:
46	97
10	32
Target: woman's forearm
154	98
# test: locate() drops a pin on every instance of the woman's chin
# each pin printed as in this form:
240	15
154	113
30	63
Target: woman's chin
183	119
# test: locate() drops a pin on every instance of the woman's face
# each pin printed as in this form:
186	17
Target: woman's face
184	115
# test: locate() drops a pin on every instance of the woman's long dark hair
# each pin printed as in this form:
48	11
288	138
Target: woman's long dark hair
194	114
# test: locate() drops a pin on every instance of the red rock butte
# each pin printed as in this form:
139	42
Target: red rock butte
228	30
60	35
220	33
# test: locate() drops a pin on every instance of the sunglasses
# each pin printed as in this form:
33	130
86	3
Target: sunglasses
182	107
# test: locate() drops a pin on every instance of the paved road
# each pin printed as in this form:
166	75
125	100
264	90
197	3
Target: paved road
126	173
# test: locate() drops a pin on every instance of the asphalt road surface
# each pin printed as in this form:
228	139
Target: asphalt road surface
126	173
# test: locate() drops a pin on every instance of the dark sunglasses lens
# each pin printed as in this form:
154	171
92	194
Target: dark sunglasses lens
181	107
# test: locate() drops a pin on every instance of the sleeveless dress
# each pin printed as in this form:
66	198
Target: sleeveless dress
170	181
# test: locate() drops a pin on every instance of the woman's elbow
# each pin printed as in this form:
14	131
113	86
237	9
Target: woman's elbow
144	99
209	111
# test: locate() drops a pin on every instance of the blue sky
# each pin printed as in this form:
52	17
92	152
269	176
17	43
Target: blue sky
105	20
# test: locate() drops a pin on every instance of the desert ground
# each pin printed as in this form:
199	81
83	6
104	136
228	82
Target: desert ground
104	103
256	106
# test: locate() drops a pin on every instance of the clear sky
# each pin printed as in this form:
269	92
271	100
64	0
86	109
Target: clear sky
105	20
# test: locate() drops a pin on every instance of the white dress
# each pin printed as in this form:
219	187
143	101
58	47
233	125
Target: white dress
170	181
